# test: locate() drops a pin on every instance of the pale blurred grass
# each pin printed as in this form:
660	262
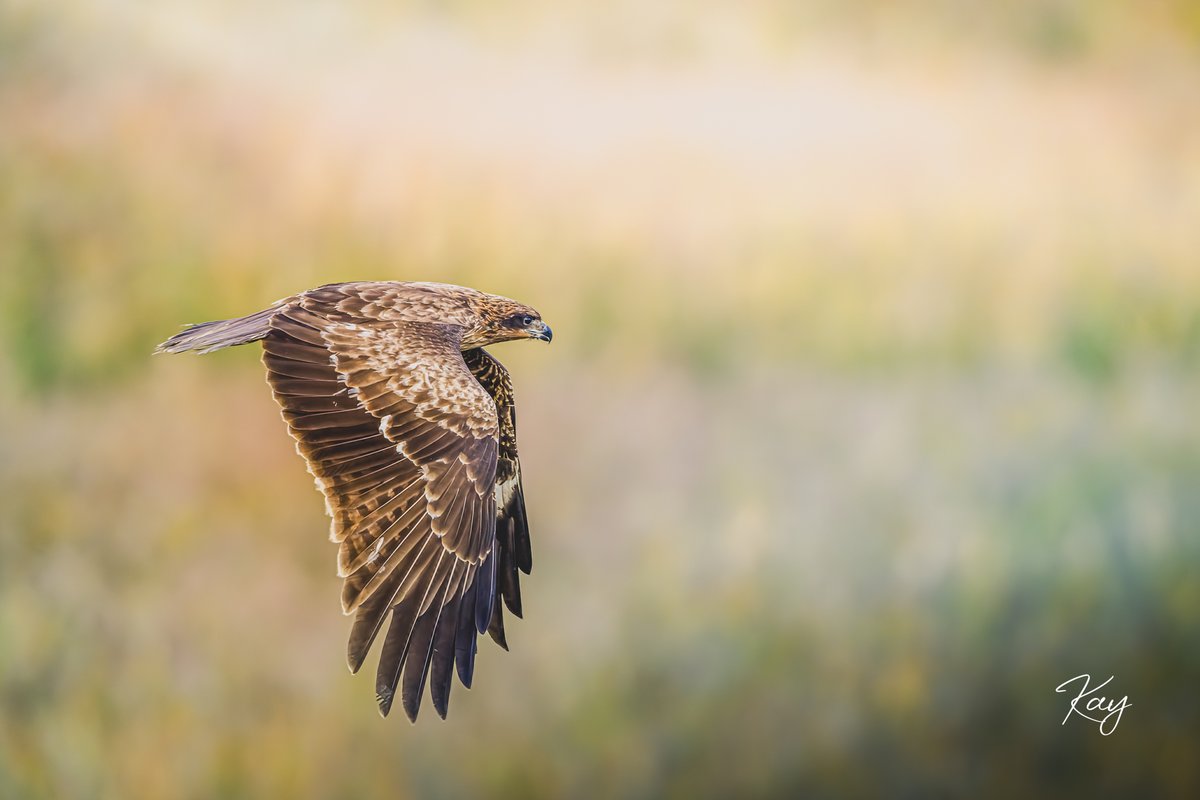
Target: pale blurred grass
870	416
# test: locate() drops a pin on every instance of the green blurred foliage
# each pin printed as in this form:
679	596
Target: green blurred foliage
869	419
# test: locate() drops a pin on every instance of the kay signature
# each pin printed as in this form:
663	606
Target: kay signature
1095	705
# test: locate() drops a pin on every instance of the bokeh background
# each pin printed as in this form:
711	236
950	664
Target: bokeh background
871	414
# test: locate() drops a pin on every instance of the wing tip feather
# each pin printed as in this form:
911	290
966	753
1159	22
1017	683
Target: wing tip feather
384	698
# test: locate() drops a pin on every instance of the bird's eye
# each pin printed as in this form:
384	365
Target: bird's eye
526	320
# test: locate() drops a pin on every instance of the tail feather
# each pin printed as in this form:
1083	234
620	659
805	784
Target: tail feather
208	336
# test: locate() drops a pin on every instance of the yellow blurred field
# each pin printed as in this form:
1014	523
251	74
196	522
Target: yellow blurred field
869	419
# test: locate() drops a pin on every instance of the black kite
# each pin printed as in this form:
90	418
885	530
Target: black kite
408	428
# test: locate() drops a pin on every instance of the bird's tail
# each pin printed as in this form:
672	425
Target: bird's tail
208	336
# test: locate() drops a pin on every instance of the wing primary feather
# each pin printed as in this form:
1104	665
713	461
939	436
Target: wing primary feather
464	637
420	650
368	619
394	646
441	669
354	593
506	571
524	553
384	545
485	593
496	626
399	635
371	612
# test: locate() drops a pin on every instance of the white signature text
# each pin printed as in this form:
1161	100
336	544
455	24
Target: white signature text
1101	710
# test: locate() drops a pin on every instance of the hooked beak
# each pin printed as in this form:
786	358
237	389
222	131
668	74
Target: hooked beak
540	330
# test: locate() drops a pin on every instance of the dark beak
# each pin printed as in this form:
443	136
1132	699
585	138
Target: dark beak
540	330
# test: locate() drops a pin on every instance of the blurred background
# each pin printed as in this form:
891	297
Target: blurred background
870	416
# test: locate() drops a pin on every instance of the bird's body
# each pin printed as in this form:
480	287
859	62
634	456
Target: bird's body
409	430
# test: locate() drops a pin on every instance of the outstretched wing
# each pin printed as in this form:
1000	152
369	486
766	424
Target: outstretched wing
512	527
404	443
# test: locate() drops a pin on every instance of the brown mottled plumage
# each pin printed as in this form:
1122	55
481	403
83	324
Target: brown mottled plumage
409	431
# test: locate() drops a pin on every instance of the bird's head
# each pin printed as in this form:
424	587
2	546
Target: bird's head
503	320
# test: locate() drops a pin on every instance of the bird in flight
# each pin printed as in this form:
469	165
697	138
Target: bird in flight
409	430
